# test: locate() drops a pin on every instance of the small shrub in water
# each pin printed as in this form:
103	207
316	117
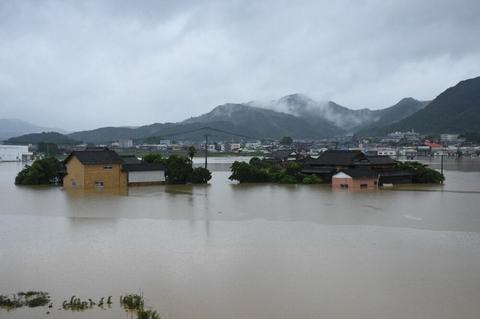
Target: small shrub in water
21	299
148	314
132	302
10	303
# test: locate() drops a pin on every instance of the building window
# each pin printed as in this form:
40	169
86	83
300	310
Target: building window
343	185
74	183
98	183
107	167
363	185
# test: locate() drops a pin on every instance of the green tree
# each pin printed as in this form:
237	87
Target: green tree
423	174
153	158
200	175
311	179
293	168
191	152
41	172
246	173
178	169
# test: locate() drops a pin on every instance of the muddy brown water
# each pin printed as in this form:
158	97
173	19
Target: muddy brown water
248	251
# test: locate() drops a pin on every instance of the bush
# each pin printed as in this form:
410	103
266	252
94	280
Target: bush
246	173
261	171
41	172
311	179
179	169
288	179
423	174
153	158
293	168
200	175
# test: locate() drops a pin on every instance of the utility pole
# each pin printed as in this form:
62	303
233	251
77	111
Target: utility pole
206	149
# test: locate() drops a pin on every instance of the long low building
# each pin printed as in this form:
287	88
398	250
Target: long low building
144	174
103	168
15	153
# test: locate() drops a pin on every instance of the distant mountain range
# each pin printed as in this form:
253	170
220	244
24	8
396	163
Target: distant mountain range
455	110
45	137
14	127
349	120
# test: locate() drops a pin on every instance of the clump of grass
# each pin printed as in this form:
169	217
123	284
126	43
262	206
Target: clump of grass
36	299
28	299
12	302
148	314
77	304
132	302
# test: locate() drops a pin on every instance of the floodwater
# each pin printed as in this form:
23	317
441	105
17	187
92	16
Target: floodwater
248	251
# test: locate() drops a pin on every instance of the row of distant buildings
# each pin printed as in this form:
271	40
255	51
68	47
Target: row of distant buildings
408	144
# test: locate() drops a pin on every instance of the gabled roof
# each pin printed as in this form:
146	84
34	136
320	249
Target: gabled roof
95	156
359	172
143	167
338	158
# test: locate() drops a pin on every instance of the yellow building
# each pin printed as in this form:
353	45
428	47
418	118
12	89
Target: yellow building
95	168
102	168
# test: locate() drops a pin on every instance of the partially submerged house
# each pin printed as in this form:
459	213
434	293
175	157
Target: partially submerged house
355	178
332	162
103	168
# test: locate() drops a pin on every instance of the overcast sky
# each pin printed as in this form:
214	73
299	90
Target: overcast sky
84	64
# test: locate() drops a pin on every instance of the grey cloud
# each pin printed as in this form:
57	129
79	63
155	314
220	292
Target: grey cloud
83	64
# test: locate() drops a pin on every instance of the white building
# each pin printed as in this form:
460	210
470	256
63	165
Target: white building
235	147
449	138
125	143
141	173
387	151
14	153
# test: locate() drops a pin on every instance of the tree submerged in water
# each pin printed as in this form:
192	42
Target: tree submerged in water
42	172
179	169
264	171
423	174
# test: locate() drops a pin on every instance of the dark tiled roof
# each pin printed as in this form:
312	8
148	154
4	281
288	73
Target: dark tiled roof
391	173
93	156
143	167
334	158
130	159
381	160
281	154
359	172
318	170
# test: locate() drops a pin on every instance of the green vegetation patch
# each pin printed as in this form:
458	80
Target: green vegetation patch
25	299
132	302
45	171
179	169
266	171
148	314
423	174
